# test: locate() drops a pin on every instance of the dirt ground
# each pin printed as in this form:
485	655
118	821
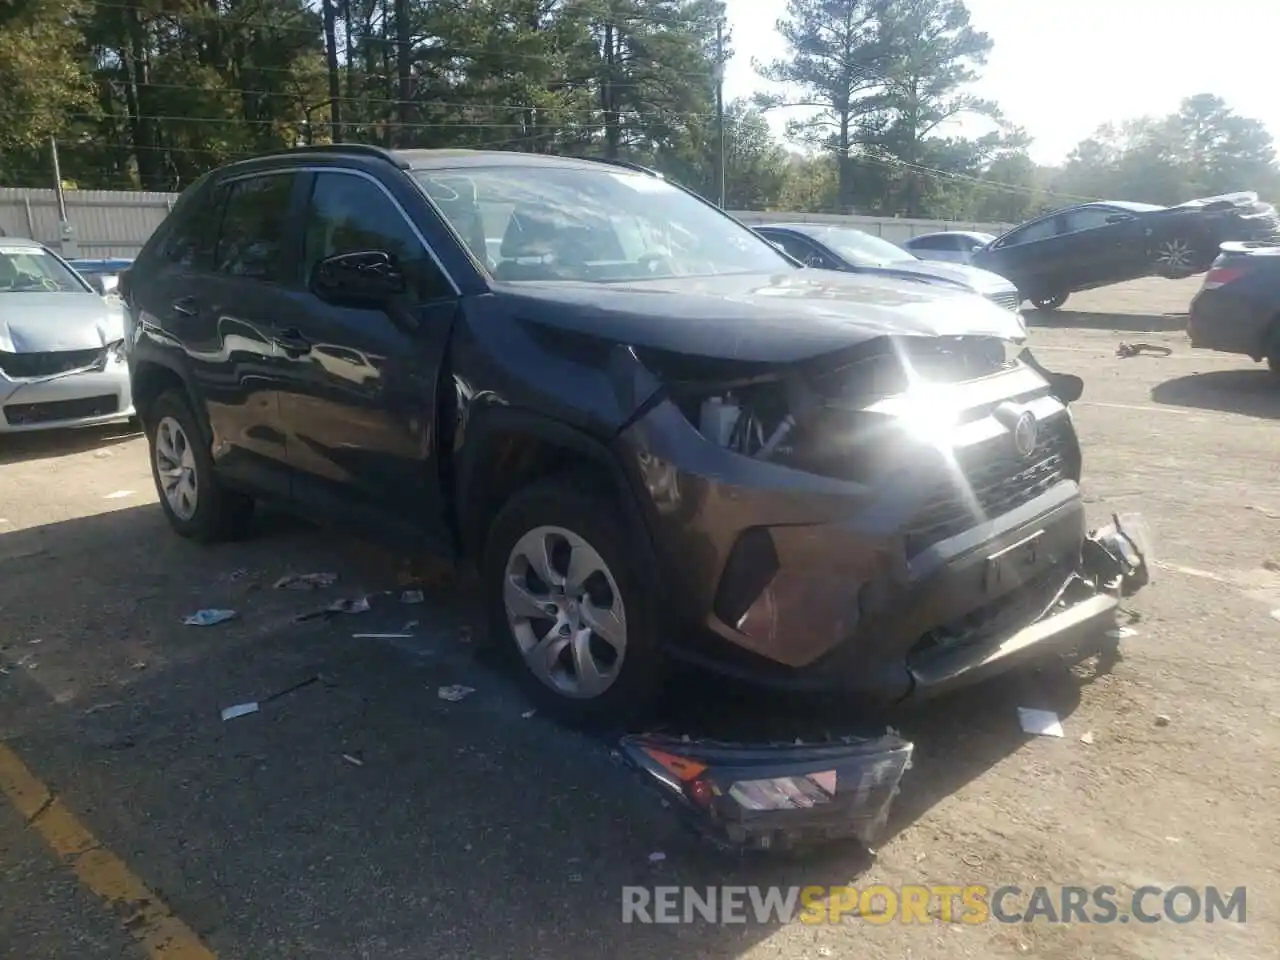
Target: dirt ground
362	816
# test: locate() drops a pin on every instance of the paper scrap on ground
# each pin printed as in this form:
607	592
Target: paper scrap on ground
1086	737
455	692
118	495
528	713
1120	633
412	596
354	761
657	856
306	581
207	618
239	710
1044	723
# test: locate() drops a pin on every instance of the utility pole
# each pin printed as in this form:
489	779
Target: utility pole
720	111
331	70
66	233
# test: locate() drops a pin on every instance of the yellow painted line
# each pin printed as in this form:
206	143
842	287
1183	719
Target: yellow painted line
144	915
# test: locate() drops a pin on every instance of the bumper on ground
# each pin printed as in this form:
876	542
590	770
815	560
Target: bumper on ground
72	400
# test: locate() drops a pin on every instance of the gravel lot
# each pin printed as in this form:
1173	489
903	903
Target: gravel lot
362	816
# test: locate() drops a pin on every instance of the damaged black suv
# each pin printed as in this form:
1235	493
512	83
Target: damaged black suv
654	434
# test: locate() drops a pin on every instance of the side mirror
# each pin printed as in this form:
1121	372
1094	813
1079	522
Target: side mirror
367	278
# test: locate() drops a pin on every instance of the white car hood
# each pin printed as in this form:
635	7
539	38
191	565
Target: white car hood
45	322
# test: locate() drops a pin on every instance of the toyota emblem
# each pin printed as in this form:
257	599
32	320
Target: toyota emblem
1025	432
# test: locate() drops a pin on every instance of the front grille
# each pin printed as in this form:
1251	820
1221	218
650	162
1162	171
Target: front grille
22	366
989	479
26	414
1008	299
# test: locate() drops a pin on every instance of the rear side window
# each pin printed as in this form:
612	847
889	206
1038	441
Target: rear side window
190	241
349	214
934	243
1040	230
251	240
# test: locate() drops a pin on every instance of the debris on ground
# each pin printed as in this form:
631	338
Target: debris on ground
358	605
207	618
411	625
1120	633
306	581
238	574
1043	723
657	856
118	495
1086	737
1162	719
1271	564
354	761
412	596
528	714
1126	350
382	636
239	710
455	692
138	665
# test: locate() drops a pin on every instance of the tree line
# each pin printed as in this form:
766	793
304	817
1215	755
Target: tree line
148	94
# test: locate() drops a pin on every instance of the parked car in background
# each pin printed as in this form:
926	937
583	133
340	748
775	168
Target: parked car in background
103	275
62	359
856	251
954	246
654	434
1097	244
1237	309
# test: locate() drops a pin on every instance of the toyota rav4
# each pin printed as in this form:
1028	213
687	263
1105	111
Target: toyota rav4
655	435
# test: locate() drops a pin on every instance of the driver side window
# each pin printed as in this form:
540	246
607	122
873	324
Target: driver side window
349	214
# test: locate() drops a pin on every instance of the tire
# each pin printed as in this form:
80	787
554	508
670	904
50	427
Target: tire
1176	257
216	513
1049	303
569	511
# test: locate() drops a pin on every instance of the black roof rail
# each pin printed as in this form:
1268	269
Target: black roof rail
359	149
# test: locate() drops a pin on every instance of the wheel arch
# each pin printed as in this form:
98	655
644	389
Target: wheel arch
507	450
150	378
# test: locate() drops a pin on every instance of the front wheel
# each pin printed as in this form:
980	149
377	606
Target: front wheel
1049	303
567	602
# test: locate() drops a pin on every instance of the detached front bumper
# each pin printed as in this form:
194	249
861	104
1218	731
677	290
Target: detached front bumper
68	400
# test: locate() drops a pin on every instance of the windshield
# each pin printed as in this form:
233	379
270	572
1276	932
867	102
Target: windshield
600	225
27	269
862	249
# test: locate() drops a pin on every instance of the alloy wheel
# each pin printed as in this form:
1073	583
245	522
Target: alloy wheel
1175	255
176	468
565	611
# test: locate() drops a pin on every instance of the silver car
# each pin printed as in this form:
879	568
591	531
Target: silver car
62	360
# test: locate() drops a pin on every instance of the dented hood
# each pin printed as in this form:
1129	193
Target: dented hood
46	321
782	318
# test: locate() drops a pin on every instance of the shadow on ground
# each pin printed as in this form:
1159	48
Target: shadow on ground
20	447
360	813
1120	322
1254	392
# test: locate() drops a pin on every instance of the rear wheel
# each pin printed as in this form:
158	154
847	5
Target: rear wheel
1175	257
568	604
196	505
1049	303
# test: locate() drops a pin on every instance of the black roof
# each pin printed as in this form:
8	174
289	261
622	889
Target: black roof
447	158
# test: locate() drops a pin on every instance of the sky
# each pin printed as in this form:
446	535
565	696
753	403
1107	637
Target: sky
1061	68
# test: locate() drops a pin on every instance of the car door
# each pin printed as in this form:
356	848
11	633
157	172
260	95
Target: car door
360	398
1107	245
1031	257
210	293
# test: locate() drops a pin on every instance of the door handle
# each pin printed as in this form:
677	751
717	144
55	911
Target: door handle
292	342
185	306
